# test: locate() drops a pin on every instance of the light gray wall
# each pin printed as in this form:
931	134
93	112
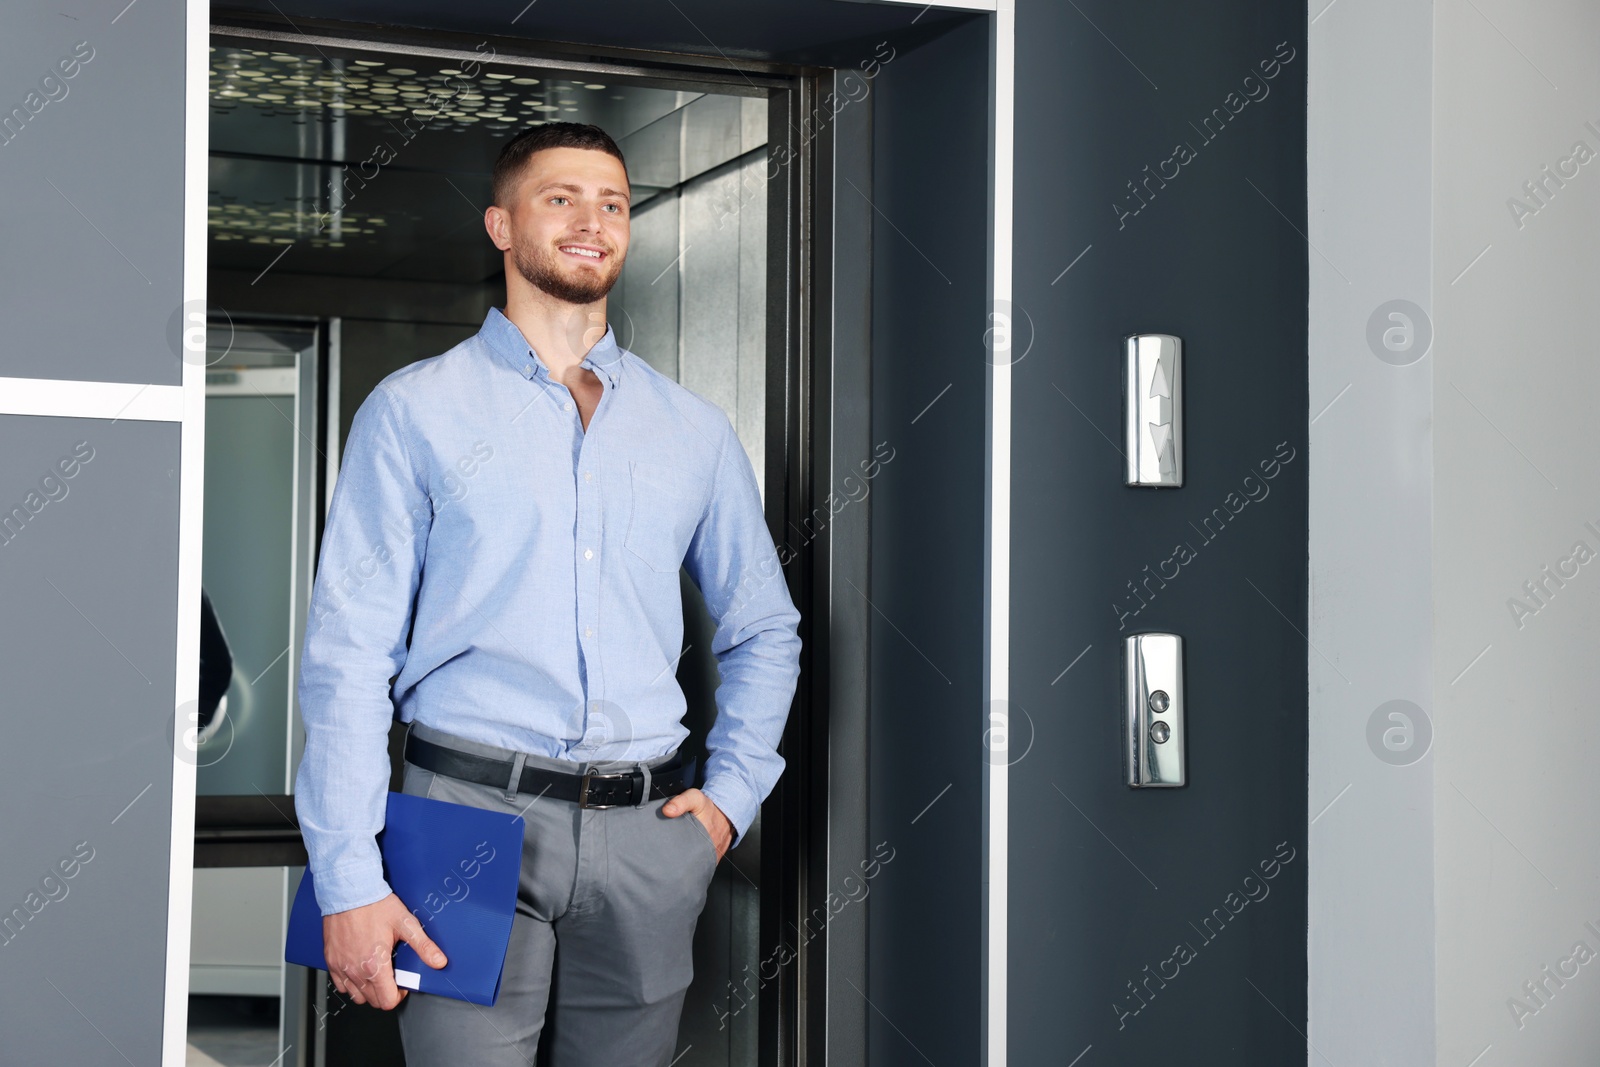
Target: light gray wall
1439	487
1371	939
1515	482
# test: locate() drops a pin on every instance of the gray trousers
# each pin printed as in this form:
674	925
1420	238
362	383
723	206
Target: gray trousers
607	904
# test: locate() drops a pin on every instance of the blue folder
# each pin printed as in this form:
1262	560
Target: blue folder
456	868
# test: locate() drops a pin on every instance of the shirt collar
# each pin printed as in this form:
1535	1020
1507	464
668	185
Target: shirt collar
502	335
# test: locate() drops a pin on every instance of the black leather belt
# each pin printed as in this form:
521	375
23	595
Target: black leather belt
593	790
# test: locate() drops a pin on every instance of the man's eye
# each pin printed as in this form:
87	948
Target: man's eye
555	198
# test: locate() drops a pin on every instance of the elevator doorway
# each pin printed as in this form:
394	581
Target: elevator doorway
347	182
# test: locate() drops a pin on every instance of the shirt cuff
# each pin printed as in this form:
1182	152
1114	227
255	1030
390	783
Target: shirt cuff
354	885
735	800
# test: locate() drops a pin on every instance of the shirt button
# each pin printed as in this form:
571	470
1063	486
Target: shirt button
588	631
567	406
588	553
587	475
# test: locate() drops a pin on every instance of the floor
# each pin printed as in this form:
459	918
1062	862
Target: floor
233	1032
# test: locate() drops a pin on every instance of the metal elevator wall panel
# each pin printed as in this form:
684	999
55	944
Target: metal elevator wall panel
708	343
749	181
715	350
1159	925
88	569
644	306
692	300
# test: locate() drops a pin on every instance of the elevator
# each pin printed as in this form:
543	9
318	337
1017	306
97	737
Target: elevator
346	182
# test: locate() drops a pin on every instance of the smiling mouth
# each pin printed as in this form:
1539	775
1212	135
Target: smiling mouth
594	255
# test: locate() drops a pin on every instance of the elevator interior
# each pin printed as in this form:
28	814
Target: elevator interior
345	240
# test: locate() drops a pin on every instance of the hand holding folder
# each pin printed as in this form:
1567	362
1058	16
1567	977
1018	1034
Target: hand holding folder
359	945
456	868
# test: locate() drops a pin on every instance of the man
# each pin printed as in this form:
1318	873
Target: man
500	570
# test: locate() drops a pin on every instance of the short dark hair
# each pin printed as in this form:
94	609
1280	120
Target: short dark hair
514	156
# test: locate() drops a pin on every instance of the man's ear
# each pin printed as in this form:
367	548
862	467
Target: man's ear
498	225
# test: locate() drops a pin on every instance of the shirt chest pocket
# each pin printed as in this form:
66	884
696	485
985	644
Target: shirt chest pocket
665	504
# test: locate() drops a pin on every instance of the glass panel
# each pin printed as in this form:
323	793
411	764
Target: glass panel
242	743
248	569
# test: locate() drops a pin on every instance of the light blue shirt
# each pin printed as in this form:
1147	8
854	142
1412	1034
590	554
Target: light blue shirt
490	569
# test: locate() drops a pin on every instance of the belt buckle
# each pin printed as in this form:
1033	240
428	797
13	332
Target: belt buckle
583	788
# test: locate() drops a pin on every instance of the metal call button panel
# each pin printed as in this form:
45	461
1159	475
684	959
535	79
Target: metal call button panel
1152	401
1153	710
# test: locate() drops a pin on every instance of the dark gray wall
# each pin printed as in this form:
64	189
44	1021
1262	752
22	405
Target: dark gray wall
91	167
1214	257
930	175
86	655
93	186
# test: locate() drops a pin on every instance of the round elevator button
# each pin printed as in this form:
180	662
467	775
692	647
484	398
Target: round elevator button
1159	701
1159	732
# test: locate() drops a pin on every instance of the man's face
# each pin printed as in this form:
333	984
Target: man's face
567	224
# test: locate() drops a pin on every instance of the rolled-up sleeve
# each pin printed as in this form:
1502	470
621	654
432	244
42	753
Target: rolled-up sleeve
734	563
368	573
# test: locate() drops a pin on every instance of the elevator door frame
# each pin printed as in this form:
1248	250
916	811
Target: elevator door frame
818	428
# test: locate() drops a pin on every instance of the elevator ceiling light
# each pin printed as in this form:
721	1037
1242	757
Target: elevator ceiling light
290	85
243	222
311	89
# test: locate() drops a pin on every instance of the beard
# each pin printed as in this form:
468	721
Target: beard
543	269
